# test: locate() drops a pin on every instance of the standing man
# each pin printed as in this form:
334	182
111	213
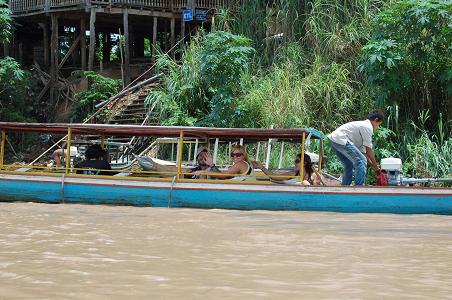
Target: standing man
352	143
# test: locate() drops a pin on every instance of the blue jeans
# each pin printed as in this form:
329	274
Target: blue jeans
351	158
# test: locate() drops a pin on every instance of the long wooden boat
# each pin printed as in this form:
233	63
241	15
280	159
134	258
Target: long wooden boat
176	191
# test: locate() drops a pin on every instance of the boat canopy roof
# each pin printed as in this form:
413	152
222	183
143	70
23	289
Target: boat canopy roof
248	134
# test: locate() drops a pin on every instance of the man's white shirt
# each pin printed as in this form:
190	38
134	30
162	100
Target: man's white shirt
358	133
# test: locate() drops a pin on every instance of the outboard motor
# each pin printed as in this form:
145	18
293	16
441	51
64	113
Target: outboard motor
392	167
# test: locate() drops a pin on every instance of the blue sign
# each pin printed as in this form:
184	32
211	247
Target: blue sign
201	15
187	15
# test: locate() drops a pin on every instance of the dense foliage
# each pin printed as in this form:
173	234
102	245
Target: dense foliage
408	61
205	88
13	83
323	63
100	88
13	80
5	22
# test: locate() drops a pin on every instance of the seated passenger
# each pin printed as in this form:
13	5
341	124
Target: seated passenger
241	165
56	155
311	177
204	163
59	155
95	160
202	156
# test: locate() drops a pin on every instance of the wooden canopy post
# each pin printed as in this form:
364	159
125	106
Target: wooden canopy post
195	151
68	149
83	44
215	150
302	170
281	154
126	48
179	156
2	147
189	152
269	150
53	58
92	39
321	156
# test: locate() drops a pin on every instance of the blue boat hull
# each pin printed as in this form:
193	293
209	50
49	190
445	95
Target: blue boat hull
401	200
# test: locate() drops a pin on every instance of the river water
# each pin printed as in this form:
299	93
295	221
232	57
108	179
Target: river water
71	251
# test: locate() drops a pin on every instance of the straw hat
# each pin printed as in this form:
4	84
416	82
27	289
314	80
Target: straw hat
200	149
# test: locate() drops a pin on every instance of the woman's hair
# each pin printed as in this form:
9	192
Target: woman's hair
242	150
94	152
308	167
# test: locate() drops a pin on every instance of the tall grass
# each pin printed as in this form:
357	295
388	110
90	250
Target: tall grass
322	96
424	153
306	76
336	29
428	158
180	99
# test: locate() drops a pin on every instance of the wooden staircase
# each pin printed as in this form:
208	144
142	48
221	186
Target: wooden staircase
131	109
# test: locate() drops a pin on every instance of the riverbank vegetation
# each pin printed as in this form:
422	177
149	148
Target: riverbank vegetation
291	63
322	63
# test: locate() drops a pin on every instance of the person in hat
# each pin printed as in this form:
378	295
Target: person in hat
241	165
205	162
311	177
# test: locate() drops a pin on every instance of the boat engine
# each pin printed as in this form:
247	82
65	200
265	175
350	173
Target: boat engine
392	167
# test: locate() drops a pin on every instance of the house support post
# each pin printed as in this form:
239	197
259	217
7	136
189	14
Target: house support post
45	43
54	58
126	48
92	39
154	39
173	34
83	44
182	33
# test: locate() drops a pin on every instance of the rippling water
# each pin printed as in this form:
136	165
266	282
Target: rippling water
117	252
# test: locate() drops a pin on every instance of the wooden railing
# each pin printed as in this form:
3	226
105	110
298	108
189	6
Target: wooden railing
144	3
20	6
208	4
60	3
26	5
36	5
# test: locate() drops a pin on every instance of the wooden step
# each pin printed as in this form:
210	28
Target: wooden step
128	116
128	121
136	109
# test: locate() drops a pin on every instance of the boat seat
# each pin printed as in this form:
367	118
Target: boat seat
23	169
123	174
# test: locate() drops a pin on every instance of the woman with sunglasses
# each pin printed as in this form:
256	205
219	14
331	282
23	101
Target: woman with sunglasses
241	166
311	177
